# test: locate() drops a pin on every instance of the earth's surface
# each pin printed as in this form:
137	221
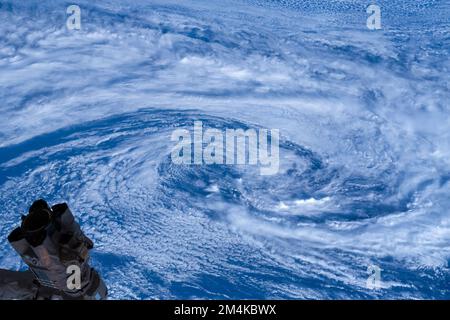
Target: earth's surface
86	117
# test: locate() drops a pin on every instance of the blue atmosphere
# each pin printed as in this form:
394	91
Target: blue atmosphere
359	207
